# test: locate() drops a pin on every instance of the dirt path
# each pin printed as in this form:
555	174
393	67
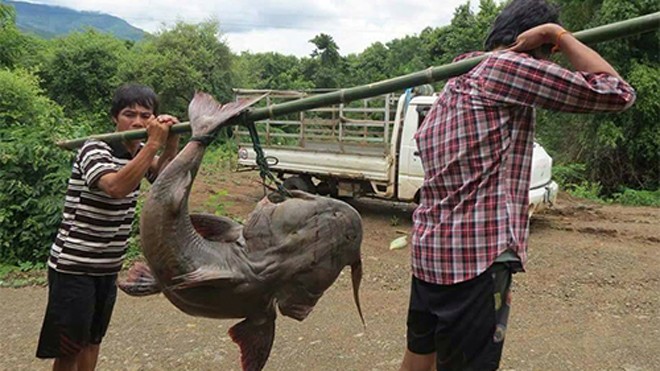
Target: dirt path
590	301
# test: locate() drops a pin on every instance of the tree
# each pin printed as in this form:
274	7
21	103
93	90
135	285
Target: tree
370	65
81	75
326	66
326	49
18	49
180	61
33	171
621	150
269	71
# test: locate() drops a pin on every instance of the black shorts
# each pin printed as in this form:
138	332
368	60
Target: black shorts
465	323
78	312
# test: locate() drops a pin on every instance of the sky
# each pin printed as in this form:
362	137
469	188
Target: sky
283	26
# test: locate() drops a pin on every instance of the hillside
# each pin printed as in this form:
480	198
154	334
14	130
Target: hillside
52	21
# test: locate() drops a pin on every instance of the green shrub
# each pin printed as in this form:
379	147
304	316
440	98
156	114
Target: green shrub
569	174
637	198
220	157
33	171
589	190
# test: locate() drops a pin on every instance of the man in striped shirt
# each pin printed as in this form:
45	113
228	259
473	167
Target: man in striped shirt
470	229
91	242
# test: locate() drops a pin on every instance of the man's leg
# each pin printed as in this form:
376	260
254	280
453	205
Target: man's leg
66	363
87	357
417	362
85	360
67	319
472	321
420	336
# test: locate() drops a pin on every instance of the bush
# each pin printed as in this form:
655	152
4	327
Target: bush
638	198
569	174
33	171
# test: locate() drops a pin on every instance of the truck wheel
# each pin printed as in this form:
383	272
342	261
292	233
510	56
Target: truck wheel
299	183
327	188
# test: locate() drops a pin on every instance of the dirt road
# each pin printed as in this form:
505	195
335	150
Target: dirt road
589	301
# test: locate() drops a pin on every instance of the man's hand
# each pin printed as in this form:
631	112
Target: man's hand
158	129
581	56
537	36
171	144
167	120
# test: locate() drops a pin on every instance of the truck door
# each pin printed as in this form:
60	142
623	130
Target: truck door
411	172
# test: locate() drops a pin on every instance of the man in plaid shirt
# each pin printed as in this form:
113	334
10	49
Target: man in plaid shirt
471	227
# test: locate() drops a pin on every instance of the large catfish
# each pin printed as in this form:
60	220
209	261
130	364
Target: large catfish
287	254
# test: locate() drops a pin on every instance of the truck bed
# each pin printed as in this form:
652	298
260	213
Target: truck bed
364	163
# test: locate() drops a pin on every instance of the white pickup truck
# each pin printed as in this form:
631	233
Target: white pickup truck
349	151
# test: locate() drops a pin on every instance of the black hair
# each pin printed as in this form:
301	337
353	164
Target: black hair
129	95
517	17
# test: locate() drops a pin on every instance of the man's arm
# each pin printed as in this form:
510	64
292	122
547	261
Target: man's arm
509	77
171	147
119	184
582	57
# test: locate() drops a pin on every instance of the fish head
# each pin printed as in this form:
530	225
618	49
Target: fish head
312	238
305	224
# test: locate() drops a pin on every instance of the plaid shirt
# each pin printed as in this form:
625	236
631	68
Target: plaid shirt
476	148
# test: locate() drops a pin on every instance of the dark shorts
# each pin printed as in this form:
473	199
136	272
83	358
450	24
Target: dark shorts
78	313
465	323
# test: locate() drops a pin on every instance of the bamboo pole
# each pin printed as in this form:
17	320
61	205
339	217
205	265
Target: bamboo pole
627	28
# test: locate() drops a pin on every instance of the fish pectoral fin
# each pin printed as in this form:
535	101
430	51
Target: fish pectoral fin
216	228
204	276
139	282
255	338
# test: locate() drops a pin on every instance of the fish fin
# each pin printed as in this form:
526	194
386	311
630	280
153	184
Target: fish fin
140	281
216	228
203	276
297	311
255	338
207	115
356	278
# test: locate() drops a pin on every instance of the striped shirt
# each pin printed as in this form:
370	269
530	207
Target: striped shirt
93	235
476	148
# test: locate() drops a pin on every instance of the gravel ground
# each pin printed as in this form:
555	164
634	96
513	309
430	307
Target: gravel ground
589	301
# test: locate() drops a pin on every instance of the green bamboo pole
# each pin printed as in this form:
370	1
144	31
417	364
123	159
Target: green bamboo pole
627	28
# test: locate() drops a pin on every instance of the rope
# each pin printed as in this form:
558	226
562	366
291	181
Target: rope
262	162
205	140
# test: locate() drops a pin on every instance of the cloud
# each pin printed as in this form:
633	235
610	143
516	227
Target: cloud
283	26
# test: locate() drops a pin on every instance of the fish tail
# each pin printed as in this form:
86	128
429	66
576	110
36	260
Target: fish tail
207	115
255	338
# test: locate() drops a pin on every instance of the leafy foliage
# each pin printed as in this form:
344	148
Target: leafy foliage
81	75
180	61
621	150
638	198
269	71
33	172
18	49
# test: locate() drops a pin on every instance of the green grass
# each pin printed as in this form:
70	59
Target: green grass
572	179
24	274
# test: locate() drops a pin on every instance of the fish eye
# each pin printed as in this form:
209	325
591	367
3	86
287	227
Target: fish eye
276	197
